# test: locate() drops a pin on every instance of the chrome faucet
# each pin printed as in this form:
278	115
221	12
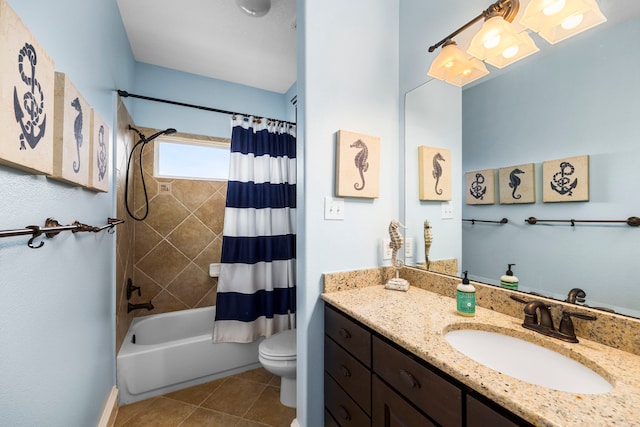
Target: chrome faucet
537	317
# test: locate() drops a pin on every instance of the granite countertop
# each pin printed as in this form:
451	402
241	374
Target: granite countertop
417	320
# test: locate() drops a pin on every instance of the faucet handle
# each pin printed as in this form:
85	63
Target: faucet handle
131	289
566	331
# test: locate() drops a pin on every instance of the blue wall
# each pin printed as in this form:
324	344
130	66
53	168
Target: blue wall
347	79
57	315
582	99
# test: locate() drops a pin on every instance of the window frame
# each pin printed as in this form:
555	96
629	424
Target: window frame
191	142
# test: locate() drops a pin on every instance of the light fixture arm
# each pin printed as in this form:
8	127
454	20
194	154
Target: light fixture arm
508	9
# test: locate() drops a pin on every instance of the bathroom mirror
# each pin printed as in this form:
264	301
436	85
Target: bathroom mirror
580	98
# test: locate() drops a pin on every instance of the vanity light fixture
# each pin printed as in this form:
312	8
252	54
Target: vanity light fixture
455	66
500	43
556	20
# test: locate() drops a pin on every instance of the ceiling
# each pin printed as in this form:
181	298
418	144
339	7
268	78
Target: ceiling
215	38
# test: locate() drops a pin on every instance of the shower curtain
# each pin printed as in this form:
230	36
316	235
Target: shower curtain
256	287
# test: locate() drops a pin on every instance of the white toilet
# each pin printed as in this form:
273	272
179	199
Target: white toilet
277	354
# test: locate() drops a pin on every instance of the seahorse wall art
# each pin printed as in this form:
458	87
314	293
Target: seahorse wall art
71	133
517	184
434	170
357	165
99	153
566	180
27	94
480	187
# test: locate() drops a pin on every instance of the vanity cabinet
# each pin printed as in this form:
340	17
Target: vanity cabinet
370	381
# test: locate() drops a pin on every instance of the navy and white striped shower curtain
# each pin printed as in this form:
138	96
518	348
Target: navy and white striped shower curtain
256	288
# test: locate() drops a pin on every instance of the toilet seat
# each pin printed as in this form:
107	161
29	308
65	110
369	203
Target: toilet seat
279	346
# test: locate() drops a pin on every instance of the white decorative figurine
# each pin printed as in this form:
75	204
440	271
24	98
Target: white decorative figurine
397	284
428	239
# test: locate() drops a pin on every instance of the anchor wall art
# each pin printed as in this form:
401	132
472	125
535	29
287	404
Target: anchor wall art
566	180
480	187
357	165
517	184
434	171
26	97
99	164
72	133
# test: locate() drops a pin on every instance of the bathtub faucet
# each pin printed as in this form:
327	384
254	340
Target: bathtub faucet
147	305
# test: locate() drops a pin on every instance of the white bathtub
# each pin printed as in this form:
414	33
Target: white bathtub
173	351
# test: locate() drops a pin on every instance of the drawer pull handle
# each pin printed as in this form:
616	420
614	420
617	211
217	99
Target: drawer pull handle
343	413
344	333
345	371
408	379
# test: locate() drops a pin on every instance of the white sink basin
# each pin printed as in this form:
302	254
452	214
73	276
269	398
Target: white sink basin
527	361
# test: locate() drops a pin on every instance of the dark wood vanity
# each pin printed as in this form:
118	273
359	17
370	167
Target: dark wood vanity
370	381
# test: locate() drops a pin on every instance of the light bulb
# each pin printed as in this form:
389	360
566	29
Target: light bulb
491	40
466	72
554	7
449	64
511	51
572	21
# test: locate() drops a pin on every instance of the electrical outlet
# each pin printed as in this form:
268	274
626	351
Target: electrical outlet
408	247
387	252
446	210
333	208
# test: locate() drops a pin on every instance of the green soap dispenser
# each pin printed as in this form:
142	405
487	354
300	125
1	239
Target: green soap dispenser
466	298
508	280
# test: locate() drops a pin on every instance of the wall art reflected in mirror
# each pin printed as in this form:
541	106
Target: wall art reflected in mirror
577	99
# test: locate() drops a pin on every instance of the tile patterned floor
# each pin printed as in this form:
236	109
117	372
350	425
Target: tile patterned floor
249	399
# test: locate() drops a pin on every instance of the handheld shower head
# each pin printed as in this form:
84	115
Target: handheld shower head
144	139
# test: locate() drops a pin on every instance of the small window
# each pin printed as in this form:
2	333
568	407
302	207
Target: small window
190	159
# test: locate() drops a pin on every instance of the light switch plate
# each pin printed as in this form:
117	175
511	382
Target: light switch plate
387	252
333	208
408	247
447	210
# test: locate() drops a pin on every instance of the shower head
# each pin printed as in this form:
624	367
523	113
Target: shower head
144	139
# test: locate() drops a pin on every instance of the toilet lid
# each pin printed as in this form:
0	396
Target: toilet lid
280	345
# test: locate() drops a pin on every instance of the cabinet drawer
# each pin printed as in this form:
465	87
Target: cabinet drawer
480	415
389	409
350	374
355	339
439	399
343	409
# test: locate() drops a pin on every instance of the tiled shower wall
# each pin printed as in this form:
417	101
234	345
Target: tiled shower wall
172	248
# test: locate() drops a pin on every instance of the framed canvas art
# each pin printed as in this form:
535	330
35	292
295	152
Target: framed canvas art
566	180
357	165
480	187
72	133
99	153
517	184
434	171
26	97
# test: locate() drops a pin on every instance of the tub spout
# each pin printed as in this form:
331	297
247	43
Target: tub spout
147	305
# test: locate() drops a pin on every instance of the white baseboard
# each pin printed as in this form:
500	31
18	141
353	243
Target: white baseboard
295	423
110	410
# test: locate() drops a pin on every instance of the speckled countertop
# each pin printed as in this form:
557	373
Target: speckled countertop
418	319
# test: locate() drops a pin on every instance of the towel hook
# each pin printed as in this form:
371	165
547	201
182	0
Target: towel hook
36	233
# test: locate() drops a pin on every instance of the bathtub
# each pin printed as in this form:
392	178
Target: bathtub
166	352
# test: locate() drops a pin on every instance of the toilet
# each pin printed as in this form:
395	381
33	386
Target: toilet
277	354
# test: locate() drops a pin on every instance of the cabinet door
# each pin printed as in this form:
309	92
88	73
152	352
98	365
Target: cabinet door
391	410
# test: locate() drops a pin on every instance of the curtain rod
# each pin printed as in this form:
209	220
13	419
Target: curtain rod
125	94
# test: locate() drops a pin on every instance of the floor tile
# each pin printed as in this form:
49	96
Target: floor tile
259	375
208	418
235	396
267	409
125	412
197	394
162	412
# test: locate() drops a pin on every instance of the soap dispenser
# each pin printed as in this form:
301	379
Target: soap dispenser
466	297
508	280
